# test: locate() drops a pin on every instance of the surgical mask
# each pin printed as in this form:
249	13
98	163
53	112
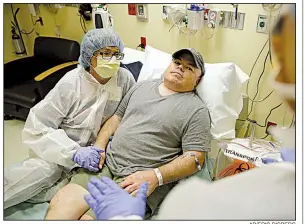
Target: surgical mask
106	68
286	91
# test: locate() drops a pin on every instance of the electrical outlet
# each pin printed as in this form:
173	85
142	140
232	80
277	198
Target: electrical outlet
132	9
261	26
270	124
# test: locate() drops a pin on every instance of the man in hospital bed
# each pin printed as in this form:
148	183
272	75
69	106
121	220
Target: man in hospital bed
161	135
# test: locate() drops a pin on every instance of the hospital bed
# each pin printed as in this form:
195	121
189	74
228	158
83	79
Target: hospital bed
154	63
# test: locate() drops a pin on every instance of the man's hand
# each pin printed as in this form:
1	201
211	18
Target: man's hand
132	182
102	160
103	154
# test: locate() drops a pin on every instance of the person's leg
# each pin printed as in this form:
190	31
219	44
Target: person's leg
69	202
28	178
89	215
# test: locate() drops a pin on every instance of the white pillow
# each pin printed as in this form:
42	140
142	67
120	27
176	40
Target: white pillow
220	89
155	63
132	55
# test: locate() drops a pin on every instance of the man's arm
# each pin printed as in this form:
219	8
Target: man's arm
107	130
182	167
196	141
177	169
102	139
111	125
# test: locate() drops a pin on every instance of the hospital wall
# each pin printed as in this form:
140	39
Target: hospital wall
226	45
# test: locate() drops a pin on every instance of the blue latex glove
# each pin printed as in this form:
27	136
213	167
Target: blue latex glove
287	155
108	200
88	157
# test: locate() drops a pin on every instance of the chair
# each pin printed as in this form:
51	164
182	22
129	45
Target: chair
29	79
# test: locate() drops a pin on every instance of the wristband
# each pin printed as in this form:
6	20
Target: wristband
159	176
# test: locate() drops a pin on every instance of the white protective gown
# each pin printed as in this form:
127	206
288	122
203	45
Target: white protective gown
266	193
69	117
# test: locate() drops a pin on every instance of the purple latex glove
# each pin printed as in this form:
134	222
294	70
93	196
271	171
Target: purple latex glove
287	155
88	157
108	200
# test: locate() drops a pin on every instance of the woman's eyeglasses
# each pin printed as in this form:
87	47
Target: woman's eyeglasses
109	55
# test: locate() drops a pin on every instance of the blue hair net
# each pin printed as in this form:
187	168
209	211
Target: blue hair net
97	39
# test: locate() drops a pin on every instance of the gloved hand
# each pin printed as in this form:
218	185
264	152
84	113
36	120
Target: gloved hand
88	157
108	200
287	155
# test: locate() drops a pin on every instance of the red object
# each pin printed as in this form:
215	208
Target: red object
269	124
238	166
143	41
206	14
132	9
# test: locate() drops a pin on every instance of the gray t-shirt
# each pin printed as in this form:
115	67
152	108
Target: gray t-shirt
156	129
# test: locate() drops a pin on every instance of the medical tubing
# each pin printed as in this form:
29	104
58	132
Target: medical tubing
257	86
261	100
292	122
269	36
255	64
265	136
269	116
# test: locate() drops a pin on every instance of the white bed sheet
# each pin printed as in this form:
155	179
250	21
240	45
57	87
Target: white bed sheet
132	55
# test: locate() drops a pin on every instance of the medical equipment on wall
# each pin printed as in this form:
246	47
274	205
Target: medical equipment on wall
18	44
142	12
190	19
195	16
17	38
164	12
235	6
271	7
201	17
101	16
177	14
212	18
34	9
85	11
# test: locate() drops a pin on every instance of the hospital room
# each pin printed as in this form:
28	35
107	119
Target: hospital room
125	111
